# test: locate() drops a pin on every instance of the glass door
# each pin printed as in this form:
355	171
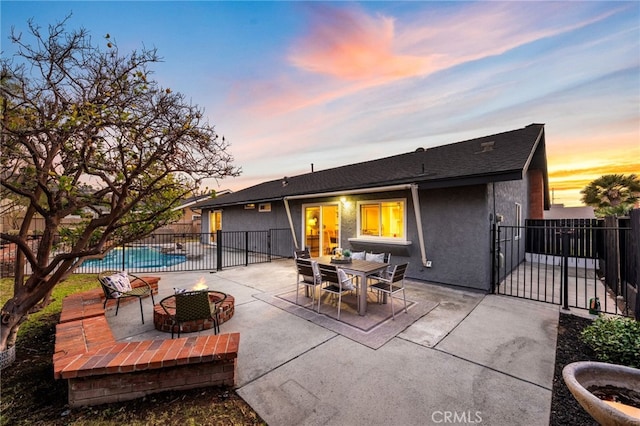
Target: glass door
321	229
215	224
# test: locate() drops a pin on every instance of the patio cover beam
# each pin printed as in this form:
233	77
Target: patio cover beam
414	194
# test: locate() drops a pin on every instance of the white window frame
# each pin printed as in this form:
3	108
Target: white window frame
518	214
362	237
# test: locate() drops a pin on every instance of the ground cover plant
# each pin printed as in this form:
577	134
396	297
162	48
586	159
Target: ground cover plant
614	340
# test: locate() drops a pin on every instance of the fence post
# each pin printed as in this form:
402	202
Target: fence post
495	257
565	269
219	250
246	248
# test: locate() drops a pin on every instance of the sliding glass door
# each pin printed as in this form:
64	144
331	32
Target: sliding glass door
321	228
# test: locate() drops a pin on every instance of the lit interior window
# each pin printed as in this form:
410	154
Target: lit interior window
382	219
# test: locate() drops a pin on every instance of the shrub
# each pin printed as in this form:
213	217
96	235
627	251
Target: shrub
614	340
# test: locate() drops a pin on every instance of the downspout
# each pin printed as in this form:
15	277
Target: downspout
293	233
416	209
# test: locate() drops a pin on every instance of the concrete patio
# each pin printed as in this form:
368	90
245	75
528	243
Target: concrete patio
473	358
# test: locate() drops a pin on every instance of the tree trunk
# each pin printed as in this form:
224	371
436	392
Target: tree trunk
17	309
12	318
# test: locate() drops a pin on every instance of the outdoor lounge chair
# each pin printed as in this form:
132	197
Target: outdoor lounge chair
191	306
117	285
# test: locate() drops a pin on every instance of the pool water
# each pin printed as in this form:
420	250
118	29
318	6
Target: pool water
136	257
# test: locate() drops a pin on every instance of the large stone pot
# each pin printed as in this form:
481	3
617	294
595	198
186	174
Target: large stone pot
579	376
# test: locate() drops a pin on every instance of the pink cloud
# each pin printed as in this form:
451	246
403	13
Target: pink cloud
351	45
345	50
487	29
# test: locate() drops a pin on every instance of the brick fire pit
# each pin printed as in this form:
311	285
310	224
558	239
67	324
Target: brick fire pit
163	322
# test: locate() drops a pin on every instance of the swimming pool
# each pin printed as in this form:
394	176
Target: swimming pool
136	257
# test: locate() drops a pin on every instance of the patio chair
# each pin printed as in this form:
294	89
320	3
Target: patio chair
191	306
380	257
308	276
117	285
337	283
302	254
392	285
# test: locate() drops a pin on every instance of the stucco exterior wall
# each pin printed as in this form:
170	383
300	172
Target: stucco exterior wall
512	237
238	218
456	227
507	194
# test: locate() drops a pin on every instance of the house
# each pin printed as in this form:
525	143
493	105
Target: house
559	211
433	207
190	220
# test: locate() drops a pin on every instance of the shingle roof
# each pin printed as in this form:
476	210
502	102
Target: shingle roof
503	156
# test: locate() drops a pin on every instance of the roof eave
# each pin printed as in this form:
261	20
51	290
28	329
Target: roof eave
471	180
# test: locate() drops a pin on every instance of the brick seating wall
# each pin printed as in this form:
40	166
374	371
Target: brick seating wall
101	370
89	303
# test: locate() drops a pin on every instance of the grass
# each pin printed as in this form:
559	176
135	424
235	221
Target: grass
74	284
30	396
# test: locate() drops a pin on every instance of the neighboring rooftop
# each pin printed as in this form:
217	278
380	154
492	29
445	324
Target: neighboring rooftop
559	211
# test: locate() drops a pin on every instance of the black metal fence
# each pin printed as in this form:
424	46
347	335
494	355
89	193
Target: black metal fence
166	252
586	264
247	247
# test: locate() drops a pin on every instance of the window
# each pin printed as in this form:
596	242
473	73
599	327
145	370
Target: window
518	221
265	207
382	219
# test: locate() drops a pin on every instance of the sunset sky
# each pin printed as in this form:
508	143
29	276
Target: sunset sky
332	83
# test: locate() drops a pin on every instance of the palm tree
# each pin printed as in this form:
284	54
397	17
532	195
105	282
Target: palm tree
612	194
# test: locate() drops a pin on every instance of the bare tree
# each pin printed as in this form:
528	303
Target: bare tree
85	130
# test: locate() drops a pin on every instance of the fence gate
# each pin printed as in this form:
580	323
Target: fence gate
565	262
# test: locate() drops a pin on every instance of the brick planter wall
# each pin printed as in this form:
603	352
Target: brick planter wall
169	372
99	370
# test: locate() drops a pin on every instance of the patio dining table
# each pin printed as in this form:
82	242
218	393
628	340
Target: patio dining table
362	269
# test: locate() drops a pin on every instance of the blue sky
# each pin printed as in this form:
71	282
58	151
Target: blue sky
332	83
